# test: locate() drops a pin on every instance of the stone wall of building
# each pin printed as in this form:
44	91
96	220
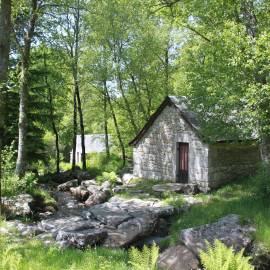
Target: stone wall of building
155	155
229	161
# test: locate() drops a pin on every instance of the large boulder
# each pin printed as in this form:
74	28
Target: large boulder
131	230
178	258
18	205
127	178
67	185
80	239
81	193
98	198
228	230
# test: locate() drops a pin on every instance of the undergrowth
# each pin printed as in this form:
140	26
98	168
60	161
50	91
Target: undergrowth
242	197
218	256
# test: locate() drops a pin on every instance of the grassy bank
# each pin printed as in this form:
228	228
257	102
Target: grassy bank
237	198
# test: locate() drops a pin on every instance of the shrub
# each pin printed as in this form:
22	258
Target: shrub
219	257
145	259
13	185
107	176
262	182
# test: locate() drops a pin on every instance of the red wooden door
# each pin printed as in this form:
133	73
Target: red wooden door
183	162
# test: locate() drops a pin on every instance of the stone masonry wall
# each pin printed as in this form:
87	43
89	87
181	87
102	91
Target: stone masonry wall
155	155
229	161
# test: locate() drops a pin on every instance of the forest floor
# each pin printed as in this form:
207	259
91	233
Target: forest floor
234	198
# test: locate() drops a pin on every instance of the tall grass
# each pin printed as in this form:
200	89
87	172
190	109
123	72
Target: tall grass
239	198
32	255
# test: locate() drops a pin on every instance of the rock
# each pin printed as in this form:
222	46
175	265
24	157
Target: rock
81	239
119	189
178	258
93	189
67	185
28	229
87	183
98	198
227	229
130	231
81	193
127	178
18	205
260	257
176	187
110	214
106	185
68	223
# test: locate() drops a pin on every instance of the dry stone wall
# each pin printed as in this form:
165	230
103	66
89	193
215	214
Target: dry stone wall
155	155
228	161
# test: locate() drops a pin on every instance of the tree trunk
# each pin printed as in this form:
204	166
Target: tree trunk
115	123
5	25
166	67
74	143
52	117
120	86
76	82
106	126
24	86
138	97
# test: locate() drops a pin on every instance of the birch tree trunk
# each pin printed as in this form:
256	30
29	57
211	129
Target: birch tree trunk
5	25
24	87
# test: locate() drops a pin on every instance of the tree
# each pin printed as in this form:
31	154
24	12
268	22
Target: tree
24	86
5	27
224	66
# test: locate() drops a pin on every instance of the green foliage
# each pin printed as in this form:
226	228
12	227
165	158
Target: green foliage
107	176
101	162
13	185
32	255
145	259
262	180
174	199
10	259
43	196
219	256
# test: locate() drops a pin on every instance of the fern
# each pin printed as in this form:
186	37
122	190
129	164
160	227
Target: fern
145	259
219	256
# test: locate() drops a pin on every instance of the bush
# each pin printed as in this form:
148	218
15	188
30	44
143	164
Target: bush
145	259
219	257
262	182
107	176
13	185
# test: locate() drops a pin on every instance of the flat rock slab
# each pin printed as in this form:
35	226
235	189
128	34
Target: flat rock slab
176	187
227	229
81	239
117	223
178	258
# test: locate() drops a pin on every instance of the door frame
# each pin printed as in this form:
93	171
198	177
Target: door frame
178	175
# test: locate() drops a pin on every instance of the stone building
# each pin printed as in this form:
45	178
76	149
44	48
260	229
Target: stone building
94	143
171	147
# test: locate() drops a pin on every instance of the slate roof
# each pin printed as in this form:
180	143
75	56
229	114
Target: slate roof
190	117
93	143
181	104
